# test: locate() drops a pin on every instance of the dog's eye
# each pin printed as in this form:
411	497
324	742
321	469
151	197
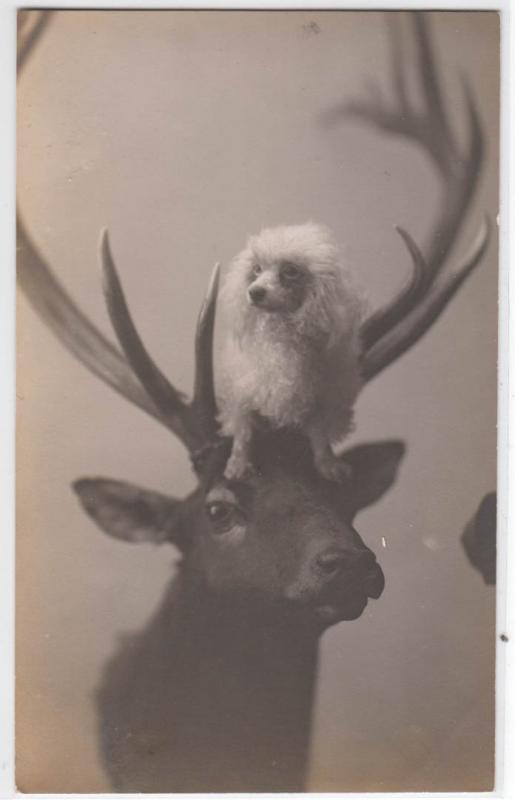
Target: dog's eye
257	269
290	271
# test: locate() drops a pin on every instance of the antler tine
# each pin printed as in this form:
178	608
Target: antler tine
136	377
412	327
434	103
458	172
27	39
475	148
204	399
55	306
72	328
379	322
397	65
174	410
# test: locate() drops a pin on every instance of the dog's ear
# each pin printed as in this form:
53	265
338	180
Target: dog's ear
333	307
321	306
374	469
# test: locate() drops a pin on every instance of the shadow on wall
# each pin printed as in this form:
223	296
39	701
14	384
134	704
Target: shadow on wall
479	539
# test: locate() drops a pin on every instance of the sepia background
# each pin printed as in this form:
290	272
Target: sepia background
183	132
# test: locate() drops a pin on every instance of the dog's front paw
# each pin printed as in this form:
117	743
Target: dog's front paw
333	468
238	467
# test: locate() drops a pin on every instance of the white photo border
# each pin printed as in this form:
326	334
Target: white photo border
505	658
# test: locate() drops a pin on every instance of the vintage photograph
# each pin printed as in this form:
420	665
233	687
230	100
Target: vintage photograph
257	266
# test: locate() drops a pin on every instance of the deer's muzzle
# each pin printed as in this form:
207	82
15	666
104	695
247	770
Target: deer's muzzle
352	580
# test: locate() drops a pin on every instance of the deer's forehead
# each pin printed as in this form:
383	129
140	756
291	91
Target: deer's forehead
281	494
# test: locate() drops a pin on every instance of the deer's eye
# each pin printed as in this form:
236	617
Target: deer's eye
223	515
224	510
290	271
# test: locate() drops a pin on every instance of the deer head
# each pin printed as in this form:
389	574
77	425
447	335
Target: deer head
285	537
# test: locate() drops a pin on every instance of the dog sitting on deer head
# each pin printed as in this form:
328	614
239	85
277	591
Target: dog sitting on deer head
292	352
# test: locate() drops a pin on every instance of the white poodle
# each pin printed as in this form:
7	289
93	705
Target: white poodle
291	355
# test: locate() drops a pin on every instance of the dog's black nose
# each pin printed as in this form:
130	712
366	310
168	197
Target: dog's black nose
257	294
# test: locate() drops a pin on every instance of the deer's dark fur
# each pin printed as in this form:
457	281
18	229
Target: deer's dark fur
216	693
212	696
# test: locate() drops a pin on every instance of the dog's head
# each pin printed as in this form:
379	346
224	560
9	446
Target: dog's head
293	271
282	265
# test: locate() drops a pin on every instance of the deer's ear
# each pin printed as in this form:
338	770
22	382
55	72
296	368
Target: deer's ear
374	470
129	513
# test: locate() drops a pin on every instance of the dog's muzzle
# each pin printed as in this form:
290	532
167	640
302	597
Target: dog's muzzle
257	295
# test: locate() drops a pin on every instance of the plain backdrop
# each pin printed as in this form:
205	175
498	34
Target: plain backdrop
183	132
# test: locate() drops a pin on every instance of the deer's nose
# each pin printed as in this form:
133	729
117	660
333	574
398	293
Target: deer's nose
337	559
257	294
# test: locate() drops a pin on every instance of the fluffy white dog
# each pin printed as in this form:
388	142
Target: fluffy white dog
291	355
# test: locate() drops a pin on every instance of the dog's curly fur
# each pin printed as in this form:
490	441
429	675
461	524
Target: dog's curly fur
292	352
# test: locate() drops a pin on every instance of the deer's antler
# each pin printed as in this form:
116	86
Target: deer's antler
392	345
30	27
391	330
133	374
386	334
72	327
193	423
